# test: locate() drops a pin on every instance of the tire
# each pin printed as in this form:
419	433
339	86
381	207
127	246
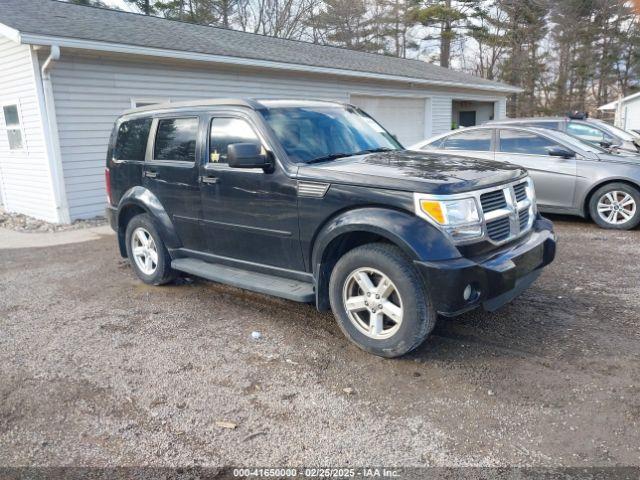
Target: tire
387	337
606	202
160	271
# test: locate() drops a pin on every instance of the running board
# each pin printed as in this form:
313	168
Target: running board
257	282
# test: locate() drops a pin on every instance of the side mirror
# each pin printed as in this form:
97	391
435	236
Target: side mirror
561	152
605	144
247	155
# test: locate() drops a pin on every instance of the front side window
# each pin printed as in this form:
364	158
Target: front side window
14	129
176	139
475	140
131	143
588	133
225	132
317	132
512	141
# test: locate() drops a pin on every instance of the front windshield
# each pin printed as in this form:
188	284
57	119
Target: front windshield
313	133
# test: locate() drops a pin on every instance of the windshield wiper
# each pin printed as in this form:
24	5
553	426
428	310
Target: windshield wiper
334	156
326	158
374	150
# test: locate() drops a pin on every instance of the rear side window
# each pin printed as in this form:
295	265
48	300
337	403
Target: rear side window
131	143
225	132
524	142
176	139
475	140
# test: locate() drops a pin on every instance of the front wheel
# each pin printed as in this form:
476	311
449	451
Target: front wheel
616	206
380	301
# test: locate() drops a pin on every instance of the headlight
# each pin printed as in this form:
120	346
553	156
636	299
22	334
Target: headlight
458	217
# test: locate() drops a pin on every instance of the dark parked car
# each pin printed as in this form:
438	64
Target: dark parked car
591	130
315	202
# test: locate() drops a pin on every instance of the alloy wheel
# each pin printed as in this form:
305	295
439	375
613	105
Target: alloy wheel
617	207
373	303
144	251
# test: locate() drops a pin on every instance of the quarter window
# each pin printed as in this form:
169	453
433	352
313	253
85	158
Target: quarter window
526	143
225	132
475	140
131	143
176	139
14	128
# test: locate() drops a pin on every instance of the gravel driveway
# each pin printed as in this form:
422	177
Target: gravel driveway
98	369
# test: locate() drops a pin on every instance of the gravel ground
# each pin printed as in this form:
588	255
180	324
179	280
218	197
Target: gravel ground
24	223
98	369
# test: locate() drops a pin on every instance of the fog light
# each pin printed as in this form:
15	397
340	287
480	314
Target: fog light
471	293
468	291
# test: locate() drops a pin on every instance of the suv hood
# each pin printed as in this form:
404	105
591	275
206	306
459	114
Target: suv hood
422	172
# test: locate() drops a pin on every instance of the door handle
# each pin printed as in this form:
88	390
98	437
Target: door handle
209	179
150	174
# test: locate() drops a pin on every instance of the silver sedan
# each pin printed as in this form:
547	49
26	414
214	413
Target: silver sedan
570	176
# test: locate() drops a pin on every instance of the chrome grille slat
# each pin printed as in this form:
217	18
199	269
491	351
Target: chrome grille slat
492	201
521	192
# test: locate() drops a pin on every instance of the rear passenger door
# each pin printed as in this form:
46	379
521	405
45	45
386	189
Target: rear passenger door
554	177
171	174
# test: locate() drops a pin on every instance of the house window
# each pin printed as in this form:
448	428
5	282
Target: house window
14	128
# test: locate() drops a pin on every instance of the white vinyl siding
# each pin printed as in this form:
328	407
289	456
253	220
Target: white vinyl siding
91	91
631	116
25	178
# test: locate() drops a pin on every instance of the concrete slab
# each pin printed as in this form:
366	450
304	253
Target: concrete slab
10	239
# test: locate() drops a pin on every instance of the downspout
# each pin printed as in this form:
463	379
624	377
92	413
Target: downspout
55	162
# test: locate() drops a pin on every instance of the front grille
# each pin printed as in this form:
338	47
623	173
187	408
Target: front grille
521	192
499	230
507	211
523	218
493	201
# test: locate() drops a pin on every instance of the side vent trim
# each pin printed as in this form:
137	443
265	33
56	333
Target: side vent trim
312	189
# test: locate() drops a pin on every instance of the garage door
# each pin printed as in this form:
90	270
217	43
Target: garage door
404	117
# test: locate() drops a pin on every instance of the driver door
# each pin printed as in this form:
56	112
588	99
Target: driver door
554	177
249	215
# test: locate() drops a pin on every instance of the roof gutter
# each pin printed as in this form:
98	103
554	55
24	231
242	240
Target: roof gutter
66	42
53	143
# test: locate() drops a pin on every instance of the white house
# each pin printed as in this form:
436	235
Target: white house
67	71
627	112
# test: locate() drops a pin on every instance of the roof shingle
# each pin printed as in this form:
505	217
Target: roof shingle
59	19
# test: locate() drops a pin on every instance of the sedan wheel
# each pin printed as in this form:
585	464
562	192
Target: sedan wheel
617	207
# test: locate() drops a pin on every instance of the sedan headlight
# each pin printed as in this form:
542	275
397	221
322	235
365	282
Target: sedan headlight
459	217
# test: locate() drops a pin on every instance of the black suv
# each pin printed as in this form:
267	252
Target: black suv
316	202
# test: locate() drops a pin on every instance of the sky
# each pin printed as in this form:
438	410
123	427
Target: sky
120	4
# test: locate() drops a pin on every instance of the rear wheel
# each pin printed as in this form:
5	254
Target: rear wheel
147	253
616	206
380	301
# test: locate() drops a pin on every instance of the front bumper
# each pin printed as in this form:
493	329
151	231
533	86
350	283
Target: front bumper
493	279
